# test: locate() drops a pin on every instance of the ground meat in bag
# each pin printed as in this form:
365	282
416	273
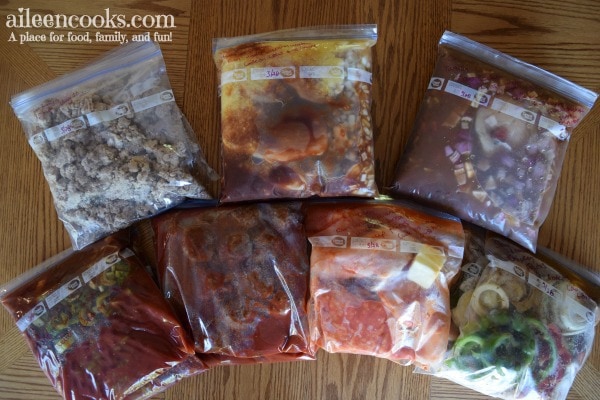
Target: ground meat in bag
238	275
113	144
490	138
525	331
99	326
379	280
295	113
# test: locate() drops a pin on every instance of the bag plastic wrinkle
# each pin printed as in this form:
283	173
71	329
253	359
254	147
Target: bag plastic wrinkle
239	276
379	279
490	138
99	326
295	113
113	145
525	331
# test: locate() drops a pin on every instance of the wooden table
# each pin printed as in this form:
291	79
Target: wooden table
559	36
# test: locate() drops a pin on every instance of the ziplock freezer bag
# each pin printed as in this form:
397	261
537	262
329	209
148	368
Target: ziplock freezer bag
379	280
239	277
295	113
490	138
526	330
113	144
99	326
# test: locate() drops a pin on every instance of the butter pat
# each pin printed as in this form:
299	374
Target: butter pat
426	266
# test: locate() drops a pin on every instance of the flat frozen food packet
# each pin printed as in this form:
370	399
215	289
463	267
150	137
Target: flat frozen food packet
526	331
490	138
379	279
239	276
113	144
99	326
295	113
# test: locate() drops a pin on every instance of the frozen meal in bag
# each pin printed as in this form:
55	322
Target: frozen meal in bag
99	326
295	113
379	279
238	275
525	329
113	144
490	138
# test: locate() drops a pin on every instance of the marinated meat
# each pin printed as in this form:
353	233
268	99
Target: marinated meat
379	279
99	326
490	139
239	277
295	117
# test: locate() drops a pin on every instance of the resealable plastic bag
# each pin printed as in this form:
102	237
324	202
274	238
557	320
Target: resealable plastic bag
239	276
295	113
490	138
113	144
99	326
379	279
526	329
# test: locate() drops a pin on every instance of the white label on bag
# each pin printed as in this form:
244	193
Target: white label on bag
436	83
558	130
236	75
514	111
467	93
407	246
328	241
508	267
30	317
97	117
152	100
363	243
360	75
579	309
257	74
321	72
100	267
65	290
67	127
544	286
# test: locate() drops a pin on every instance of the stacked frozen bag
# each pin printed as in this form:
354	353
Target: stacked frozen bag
237	283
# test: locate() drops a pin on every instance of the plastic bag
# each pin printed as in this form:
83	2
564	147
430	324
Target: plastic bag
113	144
239	277
99	326
490	138
526	330
295	113
379	279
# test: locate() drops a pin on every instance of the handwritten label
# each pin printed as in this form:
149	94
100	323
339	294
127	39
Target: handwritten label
257	74
544	286
467	93
67	127
372	244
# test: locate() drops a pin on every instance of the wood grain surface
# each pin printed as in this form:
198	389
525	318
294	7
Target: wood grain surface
553	34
